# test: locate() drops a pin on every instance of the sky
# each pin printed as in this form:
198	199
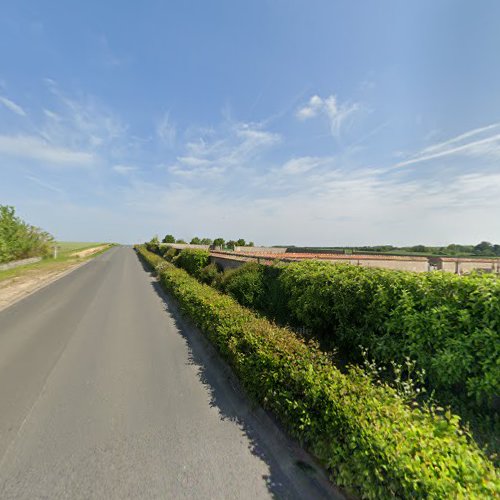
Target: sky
313	122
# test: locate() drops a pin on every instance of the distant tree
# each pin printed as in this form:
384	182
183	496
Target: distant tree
419	248
251	244
169	239
219	242
195	241
181	241
484	248
241	242
206	241
231	244
496	250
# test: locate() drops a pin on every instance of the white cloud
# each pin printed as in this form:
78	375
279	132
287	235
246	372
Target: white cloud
166	131
488	146
337	114
35	148
12	106
241	144
304	164
44	184
124	169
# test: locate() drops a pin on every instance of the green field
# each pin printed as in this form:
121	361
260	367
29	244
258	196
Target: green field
66	247
64	259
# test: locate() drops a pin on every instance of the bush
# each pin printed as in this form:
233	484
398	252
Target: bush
19	240
245	284
448	324
209	274
169	253
371	442
192	260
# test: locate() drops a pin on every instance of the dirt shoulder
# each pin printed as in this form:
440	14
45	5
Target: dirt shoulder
31	280
88	251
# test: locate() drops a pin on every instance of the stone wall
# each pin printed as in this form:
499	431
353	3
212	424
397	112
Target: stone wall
17	263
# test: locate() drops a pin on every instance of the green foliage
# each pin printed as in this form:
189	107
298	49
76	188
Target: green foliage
206	241
19	240
245	284
195	241
210	274
448	324
169	238
372	443
153	245
219	242
241	242
192	260
181	241
169	253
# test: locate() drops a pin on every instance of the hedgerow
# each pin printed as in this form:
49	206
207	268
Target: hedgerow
371	442
192	260
449	325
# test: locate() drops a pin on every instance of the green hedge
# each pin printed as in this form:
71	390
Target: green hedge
370	441
192	260
448	324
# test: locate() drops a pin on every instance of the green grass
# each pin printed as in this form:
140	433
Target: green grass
66	247
64	260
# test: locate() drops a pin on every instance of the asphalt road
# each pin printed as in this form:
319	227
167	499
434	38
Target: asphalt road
106	392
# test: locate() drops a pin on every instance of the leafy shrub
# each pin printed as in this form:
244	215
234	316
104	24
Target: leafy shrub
169	253
449	324
209	274
19	240
370	441
245	284
192	260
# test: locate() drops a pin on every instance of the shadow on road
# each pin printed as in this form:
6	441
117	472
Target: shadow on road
292	472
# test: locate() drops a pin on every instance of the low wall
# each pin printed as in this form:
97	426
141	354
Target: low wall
17	263
226	262
256	250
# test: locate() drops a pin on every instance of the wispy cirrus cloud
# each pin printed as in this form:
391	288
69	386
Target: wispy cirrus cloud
337	113
480	142
124	169
36	148
44	184
166	131
12	106
234	148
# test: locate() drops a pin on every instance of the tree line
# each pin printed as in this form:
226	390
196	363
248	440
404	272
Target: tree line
484	249
217	242
20	240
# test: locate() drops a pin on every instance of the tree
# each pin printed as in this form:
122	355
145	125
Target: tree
169	239
251	244
195	241
206	241
241	242
231	244
19	240
484	248
219	242
181	241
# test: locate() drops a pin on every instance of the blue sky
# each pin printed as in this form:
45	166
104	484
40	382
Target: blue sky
280	121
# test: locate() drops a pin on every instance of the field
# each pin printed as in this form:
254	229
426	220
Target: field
49	264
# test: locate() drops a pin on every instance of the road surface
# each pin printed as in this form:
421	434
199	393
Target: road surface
106	392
